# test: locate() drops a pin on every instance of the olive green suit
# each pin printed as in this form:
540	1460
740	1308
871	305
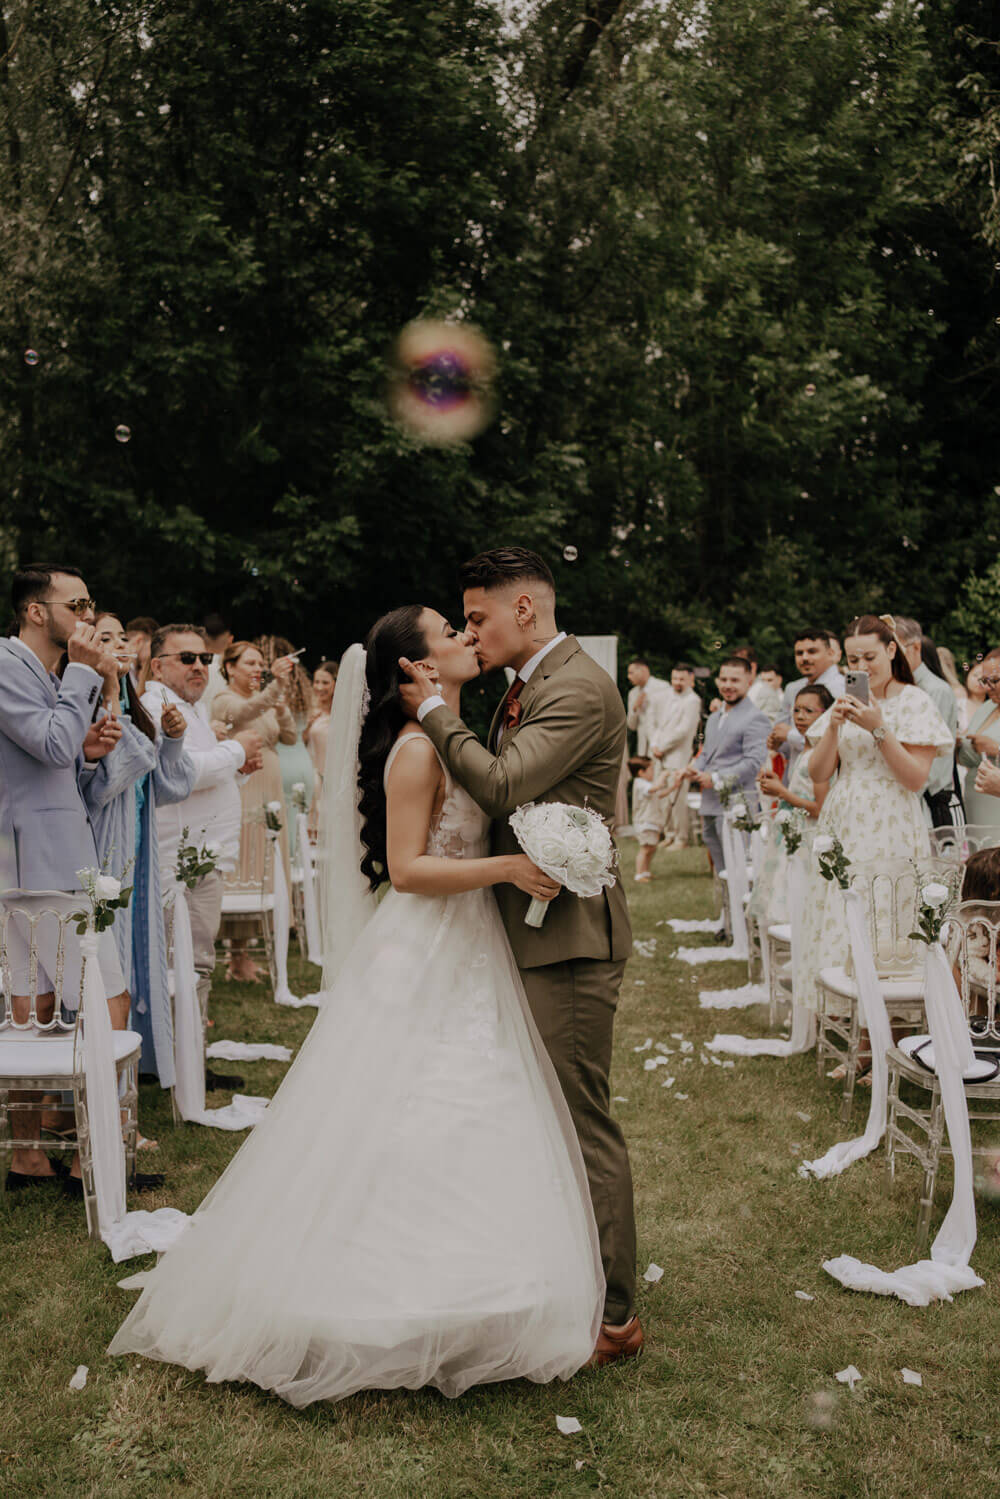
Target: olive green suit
567	747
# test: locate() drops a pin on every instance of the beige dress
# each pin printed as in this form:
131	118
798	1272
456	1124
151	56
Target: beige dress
266	714
315	737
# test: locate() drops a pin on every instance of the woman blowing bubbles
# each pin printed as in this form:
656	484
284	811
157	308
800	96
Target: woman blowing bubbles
882	752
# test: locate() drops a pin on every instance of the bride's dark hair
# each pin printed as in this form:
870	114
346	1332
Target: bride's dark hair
394	635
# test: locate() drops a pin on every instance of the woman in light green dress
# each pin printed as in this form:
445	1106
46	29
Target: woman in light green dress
982	737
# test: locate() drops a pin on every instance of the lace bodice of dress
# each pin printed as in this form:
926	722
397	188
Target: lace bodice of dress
460	830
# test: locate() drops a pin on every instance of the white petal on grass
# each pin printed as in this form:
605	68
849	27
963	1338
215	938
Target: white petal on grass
804	1117
665	1051
645	1045
677	1035
910	1376
849	1376
619	1099
687	1046
638	983
568	1425
681	1097
653	1273
804	1296
729	1064
668	1082
80	1377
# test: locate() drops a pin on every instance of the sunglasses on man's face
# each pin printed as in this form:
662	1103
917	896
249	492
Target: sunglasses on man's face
188	658
78	606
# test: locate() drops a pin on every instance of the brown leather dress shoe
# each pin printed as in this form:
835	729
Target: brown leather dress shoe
616	1343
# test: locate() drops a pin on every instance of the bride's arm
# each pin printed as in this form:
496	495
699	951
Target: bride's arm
414	782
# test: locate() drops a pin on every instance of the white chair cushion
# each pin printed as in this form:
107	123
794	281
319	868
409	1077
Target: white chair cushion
983	1070
52	1056
246	903
900	991
781	931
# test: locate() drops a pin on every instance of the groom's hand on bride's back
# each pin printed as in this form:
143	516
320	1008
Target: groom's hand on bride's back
419	688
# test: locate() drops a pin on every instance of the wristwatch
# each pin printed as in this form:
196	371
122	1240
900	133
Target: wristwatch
879	734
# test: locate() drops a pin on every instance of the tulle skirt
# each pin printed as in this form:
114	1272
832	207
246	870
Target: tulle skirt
413	1208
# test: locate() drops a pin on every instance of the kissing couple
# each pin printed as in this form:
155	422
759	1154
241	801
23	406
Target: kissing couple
437	1193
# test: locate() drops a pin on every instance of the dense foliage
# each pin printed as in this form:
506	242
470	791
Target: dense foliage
739	259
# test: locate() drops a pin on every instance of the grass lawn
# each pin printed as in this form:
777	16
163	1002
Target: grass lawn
734	1396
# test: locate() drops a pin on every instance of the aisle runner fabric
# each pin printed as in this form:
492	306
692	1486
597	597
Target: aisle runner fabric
736	891
189	1060
803	1036
733	999
712	924
875	1018
247	1051
126	1234
948	1270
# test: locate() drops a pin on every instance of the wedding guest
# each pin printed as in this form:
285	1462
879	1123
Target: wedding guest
678	715
147	770
649	809
317	730
218	638
979	745
641	706
975	692
244	704
212	812
768	899
50	745
734	750
817	652
882	752
763	694
139	634
296	761
939	793
950	673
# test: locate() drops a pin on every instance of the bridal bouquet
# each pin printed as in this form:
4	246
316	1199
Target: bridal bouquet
570	844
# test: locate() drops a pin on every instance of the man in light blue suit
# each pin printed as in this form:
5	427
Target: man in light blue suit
48	742
735	748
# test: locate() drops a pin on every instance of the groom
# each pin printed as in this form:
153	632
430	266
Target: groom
558	736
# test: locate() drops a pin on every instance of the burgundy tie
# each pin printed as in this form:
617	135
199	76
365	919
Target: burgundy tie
511	706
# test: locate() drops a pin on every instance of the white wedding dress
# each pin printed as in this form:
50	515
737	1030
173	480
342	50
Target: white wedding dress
413	1208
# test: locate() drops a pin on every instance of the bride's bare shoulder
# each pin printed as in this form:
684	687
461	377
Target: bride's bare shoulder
419	762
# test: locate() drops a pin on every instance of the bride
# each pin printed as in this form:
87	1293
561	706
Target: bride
413	1208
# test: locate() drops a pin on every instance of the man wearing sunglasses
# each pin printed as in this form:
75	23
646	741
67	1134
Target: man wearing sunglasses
49	743
180	660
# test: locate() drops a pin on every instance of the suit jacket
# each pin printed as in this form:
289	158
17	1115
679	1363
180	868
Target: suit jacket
45	832
568	747
641	721
675	728
735	746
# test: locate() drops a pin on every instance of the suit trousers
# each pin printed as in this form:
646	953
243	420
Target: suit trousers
573	1006
711	832
204	905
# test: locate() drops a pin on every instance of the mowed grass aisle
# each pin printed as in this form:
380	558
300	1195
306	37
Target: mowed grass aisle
734	1396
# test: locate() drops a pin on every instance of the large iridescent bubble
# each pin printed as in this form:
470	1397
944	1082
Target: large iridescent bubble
441	382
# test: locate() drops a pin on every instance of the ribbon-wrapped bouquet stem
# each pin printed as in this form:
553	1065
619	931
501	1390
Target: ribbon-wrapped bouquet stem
572	845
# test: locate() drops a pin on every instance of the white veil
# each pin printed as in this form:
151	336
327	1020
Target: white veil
345	901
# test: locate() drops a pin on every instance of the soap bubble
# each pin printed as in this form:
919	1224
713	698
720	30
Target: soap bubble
570	554
810	390
441	382
31	357
717	645
123	433
821	1410
987	1178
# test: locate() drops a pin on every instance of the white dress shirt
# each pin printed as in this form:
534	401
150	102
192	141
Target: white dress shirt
213	811
430	703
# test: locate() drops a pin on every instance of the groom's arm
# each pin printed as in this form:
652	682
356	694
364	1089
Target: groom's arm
562	733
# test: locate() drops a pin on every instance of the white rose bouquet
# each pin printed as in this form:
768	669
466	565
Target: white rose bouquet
572	845
270	815
106	897
935	902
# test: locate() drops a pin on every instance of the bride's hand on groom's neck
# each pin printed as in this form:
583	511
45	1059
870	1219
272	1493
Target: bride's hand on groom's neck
420	687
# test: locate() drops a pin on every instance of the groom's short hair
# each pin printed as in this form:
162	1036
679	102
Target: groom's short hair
504	565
